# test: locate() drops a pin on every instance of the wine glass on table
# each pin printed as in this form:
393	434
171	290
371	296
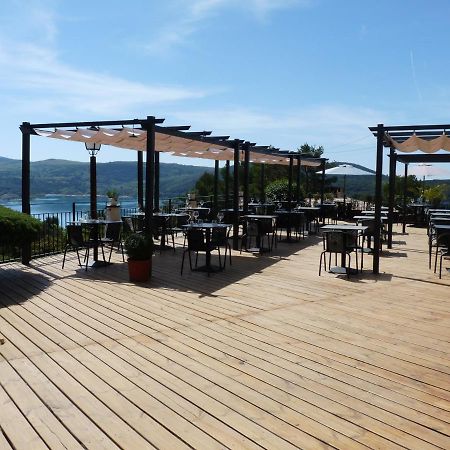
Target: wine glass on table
195	215
279	206
220	216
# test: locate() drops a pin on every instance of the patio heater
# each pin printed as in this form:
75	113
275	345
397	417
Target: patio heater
93	148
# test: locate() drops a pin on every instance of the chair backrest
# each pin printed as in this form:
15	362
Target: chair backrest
113	231
75	235
128	226
196	239
443	239
335	242
252	228
179	221
219	236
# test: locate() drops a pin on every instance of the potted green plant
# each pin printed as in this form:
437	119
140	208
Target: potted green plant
113	197
139	248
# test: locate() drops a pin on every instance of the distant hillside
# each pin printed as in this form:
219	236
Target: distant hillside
57	176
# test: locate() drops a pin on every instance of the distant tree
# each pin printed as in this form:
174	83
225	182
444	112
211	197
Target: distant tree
205	185
311	151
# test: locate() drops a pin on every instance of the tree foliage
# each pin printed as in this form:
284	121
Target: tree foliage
17	228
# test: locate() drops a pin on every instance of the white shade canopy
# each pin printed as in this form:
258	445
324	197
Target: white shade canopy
177	145
414	143
346	169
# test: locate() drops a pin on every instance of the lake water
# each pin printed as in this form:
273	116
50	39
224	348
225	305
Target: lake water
63	203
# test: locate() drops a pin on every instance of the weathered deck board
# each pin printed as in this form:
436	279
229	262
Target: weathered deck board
264	355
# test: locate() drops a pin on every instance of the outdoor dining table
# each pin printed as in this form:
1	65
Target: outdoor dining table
163	224
344	228
208	228
311	214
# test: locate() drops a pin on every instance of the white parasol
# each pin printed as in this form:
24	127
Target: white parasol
346	169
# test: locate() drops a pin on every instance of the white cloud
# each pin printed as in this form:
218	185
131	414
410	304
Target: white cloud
194	13
29	71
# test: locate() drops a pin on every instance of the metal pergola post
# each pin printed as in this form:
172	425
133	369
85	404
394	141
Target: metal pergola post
378	199
322	193
156	187
140	179
227	184
26	207
237	147
290	176
299	165
392	174
149	124
262	182
405	191
216	187
246	176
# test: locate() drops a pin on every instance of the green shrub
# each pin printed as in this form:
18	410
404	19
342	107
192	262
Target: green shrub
138	246
278	190
17	228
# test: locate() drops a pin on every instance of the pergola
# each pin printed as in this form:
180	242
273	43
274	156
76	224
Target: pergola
149	136
403	141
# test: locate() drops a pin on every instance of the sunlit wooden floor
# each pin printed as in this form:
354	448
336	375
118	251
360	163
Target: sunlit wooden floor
264	355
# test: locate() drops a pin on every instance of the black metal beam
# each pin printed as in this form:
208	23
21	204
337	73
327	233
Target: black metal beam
322	192
411	128
98	123
424	158
378	199
299	165
26	208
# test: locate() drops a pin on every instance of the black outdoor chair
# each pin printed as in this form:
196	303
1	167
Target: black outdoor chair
196	242
112	237
443	249
175	226
220	238
258	230
75	241
338	242
127	225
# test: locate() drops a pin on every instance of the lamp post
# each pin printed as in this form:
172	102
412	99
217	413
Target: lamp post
93	149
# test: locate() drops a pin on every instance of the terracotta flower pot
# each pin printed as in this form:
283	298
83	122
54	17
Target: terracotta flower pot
139	271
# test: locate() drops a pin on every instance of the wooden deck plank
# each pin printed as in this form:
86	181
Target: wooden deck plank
263	355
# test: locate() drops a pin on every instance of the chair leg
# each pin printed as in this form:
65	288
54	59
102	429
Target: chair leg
182	261
440	265
64	257
86	257
320	263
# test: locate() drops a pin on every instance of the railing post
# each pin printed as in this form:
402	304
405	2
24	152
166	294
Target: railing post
73	212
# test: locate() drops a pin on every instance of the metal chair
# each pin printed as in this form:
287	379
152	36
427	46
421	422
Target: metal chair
220	238
338	242
75	241
443	248
196	242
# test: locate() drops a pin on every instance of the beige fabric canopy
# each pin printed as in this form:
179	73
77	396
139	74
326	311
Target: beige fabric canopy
135	139
414	143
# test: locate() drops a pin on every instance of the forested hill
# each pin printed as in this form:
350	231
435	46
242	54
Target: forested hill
57	176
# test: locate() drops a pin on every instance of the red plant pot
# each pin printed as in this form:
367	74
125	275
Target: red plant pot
139	271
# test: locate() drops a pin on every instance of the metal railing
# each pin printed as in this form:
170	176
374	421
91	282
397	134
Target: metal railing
52	235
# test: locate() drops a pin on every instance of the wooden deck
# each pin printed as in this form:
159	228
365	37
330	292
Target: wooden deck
264	355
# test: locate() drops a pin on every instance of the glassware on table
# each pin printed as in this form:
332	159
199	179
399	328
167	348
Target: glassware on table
279	206
252	200
201	203
195	215
220	216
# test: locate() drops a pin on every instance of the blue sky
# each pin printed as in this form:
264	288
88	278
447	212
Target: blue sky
279	72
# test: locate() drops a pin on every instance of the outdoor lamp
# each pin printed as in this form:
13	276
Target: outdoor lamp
93	148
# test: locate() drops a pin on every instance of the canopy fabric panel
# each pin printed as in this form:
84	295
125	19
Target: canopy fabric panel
415	143
273	158
135	139
184	146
